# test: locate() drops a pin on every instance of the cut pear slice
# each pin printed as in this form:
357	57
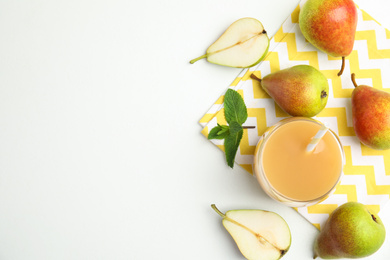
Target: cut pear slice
259	234
244	44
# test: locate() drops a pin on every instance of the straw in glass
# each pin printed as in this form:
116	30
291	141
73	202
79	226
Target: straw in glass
316	139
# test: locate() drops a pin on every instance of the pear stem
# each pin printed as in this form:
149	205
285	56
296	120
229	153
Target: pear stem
218	211
248	127
342	66
253	76
199	58
353	80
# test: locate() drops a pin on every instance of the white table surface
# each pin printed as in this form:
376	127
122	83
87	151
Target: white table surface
101	155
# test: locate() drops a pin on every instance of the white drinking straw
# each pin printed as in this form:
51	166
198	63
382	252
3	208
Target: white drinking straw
316	139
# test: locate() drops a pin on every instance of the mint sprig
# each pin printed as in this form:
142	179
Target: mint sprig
235	114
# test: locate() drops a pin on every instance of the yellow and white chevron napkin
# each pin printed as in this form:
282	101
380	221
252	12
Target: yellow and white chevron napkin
367	172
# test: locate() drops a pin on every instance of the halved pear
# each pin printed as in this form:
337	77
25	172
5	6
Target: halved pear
259	234
244	44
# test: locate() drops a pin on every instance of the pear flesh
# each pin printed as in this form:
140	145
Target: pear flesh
300	90
244	44
330	25
259	234
371	116
351	231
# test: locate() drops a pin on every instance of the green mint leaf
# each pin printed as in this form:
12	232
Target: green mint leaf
224	129
232	142
235	109
235	114
219	132
234	127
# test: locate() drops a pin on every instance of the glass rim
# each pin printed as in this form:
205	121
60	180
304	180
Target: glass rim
259	151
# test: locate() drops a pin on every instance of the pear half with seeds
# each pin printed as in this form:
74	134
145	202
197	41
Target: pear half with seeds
244	44
259	234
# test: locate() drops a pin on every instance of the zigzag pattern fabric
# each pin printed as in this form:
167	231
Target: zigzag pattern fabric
366	175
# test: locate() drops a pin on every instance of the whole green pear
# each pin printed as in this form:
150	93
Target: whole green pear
330	25
300	90
351	231
371	116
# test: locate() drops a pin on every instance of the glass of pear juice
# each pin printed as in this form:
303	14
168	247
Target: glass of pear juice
290	174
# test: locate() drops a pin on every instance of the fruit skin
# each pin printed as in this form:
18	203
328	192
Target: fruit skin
350	232
330	25
300	90
371	116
